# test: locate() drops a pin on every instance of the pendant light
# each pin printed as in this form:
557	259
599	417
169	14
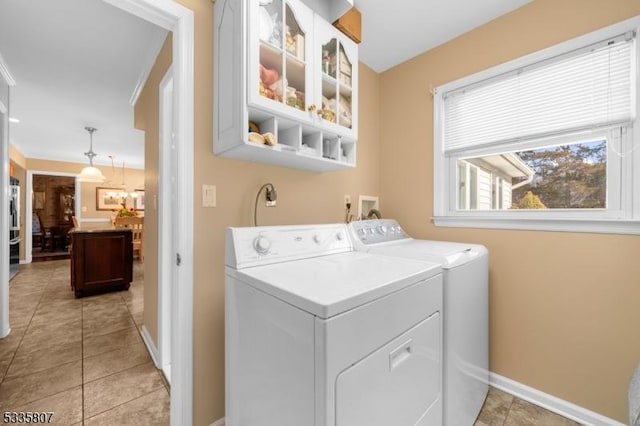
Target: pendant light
90	173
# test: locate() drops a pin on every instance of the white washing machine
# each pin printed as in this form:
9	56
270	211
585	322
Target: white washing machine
466	309
318	334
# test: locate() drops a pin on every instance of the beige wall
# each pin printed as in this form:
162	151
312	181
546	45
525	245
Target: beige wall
134	179
303	197
562	318
17	157
147	118
564	311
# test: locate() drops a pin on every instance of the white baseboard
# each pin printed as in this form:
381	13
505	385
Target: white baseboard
148	342
551	403
559	406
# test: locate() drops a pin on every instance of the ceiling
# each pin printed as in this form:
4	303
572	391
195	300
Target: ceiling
393	32
78	63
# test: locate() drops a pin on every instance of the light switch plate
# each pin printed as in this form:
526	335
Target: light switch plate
208	195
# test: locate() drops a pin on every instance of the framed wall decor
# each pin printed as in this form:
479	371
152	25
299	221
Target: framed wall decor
107	199
38	200
138	202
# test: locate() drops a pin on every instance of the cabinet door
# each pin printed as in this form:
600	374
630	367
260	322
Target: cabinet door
336	79
66	207
280	49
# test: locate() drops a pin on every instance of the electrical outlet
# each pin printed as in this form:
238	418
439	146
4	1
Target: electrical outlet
347	199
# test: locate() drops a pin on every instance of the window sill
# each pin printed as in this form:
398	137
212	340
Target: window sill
600	226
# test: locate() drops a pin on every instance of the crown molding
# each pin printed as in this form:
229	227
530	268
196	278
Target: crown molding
149	63
5	73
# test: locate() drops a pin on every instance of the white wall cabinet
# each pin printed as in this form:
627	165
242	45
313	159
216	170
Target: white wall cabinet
282	67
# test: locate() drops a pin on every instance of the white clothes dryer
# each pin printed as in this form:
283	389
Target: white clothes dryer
466	309
318	334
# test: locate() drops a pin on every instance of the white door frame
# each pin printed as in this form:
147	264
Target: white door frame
179	20
166	292
28	207
5	328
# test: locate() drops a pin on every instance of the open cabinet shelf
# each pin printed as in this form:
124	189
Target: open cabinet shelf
283	71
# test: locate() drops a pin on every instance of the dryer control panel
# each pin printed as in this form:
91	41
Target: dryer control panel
262	245
377	231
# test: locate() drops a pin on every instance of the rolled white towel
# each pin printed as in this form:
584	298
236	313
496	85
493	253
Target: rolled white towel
634	398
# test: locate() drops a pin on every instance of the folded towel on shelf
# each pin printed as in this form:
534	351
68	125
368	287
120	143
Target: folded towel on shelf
634	398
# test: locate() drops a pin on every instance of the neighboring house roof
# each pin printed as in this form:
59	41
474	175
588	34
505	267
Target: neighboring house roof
509	164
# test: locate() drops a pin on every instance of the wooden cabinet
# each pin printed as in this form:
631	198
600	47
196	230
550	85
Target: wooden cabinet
282	69
66	207
101	260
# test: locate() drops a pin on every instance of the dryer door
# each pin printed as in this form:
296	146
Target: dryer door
399	384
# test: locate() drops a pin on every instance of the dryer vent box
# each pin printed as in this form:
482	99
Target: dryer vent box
351	24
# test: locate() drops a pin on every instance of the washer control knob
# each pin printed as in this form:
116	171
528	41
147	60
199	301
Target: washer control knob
363	232
317	239
261	245
383	229
339	236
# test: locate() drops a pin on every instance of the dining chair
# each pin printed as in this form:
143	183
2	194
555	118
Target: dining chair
40	236
136	224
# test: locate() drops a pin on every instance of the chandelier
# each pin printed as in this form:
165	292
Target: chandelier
122	193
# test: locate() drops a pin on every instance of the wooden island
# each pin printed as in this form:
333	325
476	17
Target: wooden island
101	260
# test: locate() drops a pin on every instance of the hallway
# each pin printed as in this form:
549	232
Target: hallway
82	359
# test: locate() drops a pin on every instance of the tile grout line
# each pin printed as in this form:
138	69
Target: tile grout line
124	403
118	372
112	374
40	302
508	410
26	328
82	355
41	296
159	371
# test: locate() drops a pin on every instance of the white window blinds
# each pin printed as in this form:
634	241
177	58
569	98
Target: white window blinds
589	88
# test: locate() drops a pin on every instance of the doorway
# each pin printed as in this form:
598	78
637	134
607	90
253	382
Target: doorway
168	226
179	20
52	212
58	184
4	219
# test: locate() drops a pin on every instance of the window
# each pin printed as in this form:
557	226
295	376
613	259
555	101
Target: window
544	142
568	176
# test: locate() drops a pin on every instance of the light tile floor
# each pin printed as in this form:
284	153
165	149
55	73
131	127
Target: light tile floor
503	409
84	358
